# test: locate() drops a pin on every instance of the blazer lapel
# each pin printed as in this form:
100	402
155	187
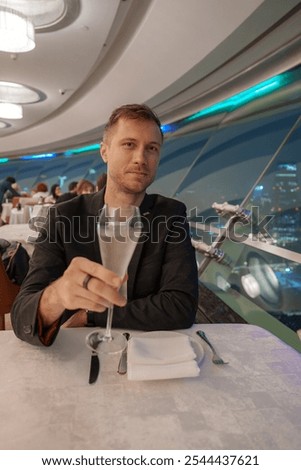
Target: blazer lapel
146	217
93	212
146	212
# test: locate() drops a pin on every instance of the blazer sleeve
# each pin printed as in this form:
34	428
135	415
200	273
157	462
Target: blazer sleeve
68	231
47	264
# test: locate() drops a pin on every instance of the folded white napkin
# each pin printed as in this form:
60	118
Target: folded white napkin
151	358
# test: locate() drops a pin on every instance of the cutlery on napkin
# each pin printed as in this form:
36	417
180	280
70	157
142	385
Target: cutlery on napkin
122	366
167	357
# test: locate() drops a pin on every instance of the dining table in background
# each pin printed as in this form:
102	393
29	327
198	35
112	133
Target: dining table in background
6	211
254	402
22	233
19	215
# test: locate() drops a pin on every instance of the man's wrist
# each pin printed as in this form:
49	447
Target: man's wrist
49	309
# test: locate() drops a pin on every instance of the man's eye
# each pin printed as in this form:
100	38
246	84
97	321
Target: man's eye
154	149
128	144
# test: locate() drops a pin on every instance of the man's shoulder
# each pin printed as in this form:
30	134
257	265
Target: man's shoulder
66	197
168	200
85	204
5	184
168	204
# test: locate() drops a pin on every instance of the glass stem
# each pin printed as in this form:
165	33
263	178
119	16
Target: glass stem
108	334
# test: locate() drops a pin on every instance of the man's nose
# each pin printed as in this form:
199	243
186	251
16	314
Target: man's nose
140	155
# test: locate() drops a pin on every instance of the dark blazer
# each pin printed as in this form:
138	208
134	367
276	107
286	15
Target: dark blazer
6	186
162	286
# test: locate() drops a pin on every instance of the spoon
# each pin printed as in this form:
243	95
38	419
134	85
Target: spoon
92	342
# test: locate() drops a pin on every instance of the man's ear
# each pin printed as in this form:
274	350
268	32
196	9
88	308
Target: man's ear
103	152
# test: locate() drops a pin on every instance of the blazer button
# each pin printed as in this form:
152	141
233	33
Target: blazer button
27	329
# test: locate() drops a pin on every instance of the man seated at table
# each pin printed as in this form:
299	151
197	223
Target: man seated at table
67	283
7	186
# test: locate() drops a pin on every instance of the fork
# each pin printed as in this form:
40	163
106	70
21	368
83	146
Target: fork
216	359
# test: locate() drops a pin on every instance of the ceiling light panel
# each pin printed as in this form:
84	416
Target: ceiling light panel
16	31
16	93
11	111
43	13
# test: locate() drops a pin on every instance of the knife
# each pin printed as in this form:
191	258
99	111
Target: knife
122	366
94	368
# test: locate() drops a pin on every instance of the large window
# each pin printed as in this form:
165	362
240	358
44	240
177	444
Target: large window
254	166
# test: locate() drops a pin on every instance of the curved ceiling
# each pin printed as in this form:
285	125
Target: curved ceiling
176	56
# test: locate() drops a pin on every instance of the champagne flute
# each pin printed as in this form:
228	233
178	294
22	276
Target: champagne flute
118	233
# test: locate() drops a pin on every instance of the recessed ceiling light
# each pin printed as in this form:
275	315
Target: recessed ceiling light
11	111
42	13
11	92
16	31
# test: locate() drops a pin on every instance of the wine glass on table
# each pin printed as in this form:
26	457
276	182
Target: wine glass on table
118	231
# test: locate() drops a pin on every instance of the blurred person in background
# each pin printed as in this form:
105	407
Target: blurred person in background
17	188
70	194
7	186
41	192
85	187
101	181
55	193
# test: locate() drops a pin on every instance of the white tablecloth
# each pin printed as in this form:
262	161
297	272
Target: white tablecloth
6	210
18	216
21	233
252	403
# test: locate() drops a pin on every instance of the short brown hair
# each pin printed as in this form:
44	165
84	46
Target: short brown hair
85	186
42	188
132	111
101	181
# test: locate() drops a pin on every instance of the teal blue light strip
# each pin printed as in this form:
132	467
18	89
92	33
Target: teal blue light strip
230	104
240	99
41	155
88	148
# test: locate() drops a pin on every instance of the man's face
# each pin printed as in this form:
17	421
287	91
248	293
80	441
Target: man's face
132	151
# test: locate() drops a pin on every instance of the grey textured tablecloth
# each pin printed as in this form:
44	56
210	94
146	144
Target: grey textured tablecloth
252	403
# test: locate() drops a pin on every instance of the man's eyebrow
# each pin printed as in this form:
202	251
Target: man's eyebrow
155	142
132	139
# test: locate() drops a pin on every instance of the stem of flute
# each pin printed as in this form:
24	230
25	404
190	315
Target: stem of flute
108	334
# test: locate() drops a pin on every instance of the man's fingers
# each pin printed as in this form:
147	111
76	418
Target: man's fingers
88	285
95	270
99	291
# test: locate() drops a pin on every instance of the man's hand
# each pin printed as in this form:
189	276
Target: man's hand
68	291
